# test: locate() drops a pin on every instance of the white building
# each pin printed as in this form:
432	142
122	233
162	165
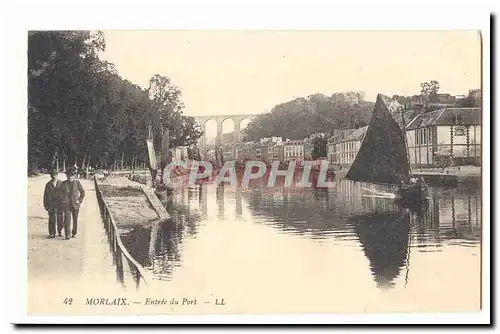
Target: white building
452	134
342	150
180	153
293	150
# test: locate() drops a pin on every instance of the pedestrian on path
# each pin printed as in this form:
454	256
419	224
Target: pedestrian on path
72	194
52	204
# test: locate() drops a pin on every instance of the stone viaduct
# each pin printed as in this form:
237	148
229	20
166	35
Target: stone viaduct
219	119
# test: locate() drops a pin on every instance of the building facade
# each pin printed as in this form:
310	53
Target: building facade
247	151
448	135
343	150
293	150
338	136
180	153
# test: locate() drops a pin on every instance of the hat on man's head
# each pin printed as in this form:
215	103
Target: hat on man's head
53	171
70	172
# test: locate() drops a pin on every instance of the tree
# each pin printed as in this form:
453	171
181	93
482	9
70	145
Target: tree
429	89
61	86
301	117
166	112
82	111
319	147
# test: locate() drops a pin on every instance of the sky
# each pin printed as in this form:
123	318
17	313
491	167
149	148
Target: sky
249	72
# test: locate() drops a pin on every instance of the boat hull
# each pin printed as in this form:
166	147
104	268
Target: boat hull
413	195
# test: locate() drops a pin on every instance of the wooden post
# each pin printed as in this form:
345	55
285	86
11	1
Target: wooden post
453	210
467	140
451	145
121	164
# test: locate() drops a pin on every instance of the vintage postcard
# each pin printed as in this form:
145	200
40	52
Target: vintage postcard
229	172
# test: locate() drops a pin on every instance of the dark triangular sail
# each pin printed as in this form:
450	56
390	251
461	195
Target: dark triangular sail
382	157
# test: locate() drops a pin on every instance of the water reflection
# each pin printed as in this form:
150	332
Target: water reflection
385	240
349	215
159	247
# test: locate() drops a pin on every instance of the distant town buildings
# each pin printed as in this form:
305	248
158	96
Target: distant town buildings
294	150
448	128
180	153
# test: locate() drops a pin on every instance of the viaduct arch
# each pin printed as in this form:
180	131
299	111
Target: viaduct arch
219	119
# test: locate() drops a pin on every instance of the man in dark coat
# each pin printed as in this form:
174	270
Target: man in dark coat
72	194
52	204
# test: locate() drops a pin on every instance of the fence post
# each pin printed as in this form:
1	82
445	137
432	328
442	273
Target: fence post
137	279
118	254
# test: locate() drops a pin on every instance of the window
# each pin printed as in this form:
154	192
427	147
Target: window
459	131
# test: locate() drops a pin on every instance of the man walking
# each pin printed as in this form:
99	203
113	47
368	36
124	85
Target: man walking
51	203
72	195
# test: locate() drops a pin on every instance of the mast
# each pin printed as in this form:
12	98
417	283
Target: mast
151	155
408	257
405	139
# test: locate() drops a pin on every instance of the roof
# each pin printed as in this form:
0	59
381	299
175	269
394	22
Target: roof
339	135
351	135
357	134
447	116
294	142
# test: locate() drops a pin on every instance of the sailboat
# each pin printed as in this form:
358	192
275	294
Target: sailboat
382	158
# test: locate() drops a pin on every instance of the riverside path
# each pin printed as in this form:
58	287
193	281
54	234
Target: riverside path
65	271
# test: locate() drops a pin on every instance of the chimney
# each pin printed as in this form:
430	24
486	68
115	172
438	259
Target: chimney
420	108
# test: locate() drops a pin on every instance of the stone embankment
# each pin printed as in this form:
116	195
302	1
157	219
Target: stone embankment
131	203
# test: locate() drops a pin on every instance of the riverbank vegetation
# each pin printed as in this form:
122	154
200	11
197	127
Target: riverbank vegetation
81	111
318	113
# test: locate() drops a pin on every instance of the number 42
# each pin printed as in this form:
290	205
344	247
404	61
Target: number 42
68	301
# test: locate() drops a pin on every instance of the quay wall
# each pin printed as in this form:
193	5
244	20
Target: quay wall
449	178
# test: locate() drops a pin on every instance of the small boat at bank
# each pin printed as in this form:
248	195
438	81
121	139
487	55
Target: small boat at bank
383	158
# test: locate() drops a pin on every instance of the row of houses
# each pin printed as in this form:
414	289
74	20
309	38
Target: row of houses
451	135
447	134
273	149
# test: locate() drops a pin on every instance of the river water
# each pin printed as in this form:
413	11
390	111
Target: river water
338	249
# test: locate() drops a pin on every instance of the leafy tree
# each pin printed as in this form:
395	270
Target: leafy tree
61	86
318	113
82	111
166	112
319	147
429	89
